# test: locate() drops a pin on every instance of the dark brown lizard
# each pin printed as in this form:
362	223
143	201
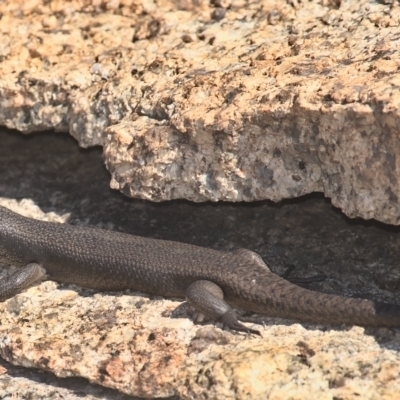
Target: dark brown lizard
214	282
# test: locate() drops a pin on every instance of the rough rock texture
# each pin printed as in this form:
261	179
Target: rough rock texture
22	383
150	348
220	100
360	259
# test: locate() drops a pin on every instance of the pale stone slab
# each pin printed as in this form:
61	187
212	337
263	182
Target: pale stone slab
229	100
144	347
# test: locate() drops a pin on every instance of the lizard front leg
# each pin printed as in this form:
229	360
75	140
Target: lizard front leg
20	280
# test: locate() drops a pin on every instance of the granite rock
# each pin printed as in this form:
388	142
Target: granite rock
216	100
148	347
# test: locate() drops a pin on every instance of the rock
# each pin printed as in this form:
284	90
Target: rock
35	384
220	100
149	347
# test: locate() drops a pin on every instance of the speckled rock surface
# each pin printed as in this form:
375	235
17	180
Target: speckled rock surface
148	347
220	100
71	331
22	383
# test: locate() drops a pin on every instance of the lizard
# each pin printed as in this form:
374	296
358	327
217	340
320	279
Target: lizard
214	282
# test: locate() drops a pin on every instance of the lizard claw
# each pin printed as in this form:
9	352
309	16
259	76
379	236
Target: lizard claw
229	320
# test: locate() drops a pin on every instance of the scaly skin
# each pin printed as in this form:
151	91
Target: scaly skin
212	281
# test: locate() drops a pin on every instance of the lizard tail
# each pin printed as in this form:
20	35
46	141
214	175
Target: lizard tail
291	301
256	288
